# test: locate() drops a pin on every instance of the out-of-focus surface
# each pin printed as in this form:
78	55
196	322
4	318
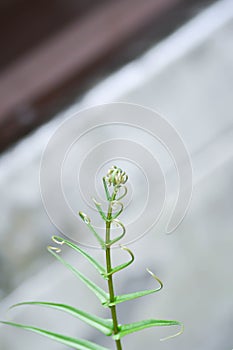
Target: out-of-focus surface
51	52
188	79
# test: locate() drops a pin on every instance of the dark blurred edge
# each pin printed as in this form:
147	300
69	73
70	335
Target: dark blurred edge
49	69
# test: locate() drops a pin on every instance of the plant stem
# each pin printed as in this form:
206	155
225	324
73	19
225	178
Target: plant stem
110	280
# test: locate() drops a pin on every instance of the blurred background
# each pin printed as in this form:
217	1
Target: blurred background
173	56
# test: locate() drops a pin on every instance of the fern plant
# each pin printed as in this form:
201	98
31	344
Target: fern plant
115	190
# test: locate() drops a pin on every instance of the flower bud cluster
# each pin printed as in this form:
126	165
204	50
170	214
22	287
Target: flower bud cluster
116	176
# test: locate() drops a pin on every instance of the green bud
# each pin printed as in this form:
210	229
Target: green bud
116	176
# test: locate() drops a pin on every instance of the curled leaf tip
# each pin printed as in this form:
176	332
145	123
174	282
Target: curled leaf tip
95	201
84	217
122	266
156	278
124	192
117	224
55	249
129	251
58	240
176	334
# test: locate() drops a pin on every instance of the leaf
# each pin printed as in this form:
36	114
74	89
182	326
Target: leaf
99	292
87	221
131	296
118	223
123	194
75	343
98	206
103	325
120	210
95	263
122	266
108	196
138	326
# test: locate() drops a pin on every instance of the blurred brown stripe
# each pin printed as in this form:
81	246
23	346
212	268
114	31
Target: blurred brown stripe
68	54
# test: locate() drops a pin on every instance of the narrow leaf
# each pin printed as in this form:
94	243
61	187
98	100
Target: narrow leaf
138	326
118	223
103	325
108	196
87	221
131	296
122	266
94	262
99	292
75	343
120	210
98	206
123	194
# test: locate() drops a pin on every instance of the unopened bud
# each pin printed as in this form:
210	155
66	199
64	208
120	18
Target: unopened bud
116	176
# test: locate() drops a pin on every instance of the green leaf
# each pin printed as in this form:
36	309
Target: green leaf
75	343
122	266
87	221
108	196
99	292
138	326
123	194
131	296
103	325
126	297
120	210
112	203
98	206
95	263
118	223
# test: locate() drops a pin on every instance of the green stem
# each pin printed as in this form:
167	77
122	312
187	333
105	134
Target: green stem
110	280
